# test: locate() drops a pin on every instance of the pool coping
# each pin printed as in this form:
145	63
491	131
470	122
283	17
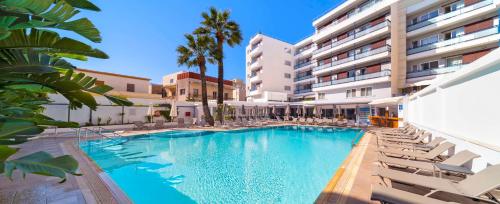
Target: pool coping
119	196
334	190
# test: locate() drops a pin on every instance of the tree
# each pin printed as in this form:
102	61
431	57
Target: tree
196	53
32	65
218	25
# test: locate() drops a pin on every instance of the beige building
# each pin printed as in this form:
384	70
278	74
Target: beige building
125	85
186	86
239	91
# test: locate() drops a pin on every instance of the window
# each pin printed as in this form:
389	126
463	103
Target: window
182	92
288	75
429	40
429	65
350	93
214	94
288	63
171	81
454	33
288	88
321	95
453	7
195	92
131	87
366	91
99	83
454	61
226	96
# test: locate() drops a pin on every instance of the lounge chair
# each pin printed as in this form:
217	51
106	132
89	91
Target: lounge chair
294	120
159	124
139	125
342	123
472	187
458	159
412	146
419	139
392	195
302	121
418	155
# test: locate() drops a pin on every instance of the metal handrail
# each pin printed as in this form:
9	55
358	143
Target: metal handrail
94	132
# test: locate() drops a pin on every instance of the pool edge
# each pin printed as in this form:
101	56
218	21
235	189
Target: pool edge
333	190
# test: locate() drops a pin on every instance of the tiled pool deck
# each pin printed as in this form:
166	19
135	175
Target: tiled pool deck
352	185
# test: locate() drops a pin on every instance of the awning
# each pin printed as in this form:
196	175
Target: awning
386	101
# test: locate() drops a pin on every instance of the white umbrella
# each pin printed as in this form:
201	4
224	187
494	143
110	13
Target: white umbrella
151	112
320	112
287	110
274	110
304	111
298	111
173	110
315	111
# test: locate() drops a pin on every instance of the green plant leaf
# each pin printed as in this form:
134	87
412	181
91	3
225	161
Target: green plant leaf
5	153
11	127
48	42
83	4
42	163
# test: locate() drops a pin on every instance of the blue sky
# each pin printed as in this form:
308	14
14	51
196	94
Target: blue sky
141	36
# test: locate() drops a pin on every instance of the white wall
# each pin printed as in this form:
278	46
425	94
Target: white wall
463	107
58	110
119	83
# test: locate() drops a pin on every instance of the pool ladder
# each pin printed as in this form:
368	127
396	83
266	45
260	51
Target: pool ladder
94	133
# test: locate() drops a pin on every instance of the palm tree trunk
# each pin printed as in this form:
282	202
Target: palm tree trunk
220	80
204	96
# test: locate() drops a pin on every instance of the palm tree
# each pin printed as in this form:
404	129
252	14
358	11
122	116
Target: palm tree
196	53
218	25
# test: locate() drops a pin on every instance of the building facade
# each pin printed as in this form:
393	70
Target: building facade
364	50
269	69
186	86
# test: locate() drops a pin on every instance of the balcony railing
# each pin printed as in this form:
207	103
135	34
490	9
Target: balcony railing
303	50
442	17
436	71
298	66
303	78
354	13
354	57
301	91
453	41
352	79
354	36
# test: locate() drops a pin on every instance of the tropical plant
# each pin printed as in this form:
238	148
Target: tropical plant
217	24
32	66
196	53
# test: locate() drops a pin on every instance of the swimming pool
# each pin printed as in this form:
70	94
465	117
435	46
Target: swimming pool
290	164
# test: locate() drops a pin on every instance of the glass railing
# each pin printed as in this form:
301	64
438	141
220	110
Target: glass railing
352	37
297	66
353	14
436	71
298	52
442	17
301	91
352	79
371	29
355	57
303	77
453	41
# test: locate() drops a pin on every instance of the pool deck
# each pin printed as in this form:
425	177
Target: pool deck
351	184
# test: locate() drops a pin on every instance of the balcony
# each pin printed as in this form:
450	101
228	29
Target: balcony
301	78
454	41
356	12
353	58
255	78
256	49
301	65
256	64
352	79
430	72
452	14
351	40
302	91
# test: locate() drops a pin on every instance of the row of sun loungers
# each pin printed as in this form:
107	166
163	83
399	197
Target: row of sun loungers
405	158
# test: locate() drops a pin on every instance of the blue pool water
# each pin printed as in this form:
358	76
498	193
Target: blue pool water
269	165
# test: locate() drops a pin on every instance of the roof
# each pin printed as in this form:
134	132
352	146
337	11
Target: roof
197	76
387	101
111	74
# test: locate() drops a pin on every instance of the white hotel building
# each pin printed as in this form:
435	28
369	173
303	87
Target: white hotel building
364	50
